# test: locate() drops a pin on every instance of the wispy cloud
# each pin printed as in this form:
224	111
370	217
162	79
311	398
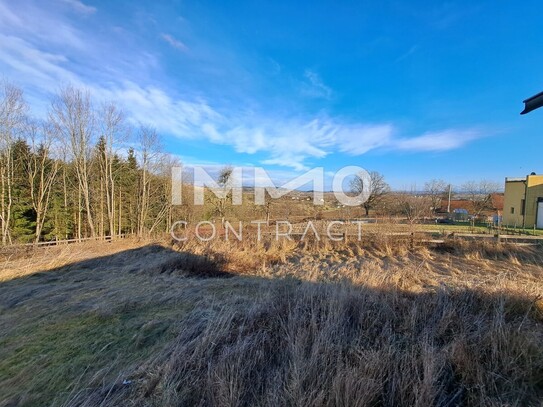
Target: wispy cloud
438	141
314	86
407	54
358	139
296	142
183	118
8	17
35	23
40	65
174	42
37	68
80	7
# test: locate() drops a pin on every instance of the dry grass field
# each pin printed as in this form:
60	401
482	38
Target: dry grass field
133	323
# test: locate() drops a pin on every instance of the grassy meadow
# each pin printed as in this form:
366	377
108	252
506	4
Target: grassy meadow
157	323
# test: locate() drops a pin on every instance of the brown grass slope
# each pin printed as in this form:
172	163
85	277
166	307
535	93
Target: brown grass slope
276	323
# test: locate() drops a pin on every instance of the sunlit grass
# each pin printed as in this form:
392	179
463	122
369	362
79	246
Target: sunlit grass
274	323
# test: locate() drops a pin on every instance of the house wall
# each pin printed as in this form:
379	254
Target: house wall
535	190
514	194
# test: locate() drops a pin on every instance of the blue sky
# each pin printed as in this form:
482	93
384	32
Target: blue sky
415	90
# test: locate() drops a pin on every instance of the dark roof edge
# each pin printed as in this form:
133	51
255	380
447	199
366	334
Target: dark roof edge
532	97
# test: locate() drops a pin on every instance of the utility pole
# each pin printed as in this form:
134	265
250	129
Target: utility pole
449	204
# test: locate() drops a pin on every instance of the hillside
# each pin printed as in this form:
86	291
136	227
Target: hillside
147	323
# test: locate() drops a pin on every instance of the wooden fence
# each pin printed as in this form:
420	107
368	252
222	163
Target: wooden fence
419	236
68	241
426	236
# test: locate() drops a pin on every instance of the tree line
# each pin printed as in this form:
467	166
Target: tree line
415	205
72	175
83	170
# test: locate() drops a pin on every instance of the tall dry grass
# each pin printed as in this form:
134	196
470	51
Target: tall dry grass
356	325
314	344
387	322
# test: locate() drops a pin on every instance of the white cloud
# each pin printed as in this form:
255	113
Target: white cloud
407	54
32	56
80	7
291	142
153	106
37	24
287	142
358	139
438	141
314	86
174	42
35	67
8	17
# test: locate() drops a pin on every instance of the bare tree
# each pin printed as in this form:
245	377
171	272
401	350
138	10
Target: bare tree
377	187
72	115
220	203
112	130
42	170
265	209
12	117
479	193
436	190
163	193
149	152
414	207
267	212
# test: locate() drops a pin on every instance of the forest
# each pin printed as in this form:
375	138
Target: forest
80	170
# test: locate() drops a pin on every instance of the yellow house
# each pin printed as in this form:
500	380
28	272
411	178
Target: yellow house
523	202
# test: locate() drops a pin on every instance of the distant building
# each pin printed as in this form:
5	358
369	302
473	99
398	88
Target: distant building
523	202
495	205
460	215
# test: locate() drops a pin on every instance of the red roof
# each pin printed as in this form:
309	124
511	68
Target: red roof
457	204
496	199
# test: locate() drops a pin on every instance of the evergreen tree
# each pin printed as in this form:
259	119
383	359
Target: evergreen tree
23	215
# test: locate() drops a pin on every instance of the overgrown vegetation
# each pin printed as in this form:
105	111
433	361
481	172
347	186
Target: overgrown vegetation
272	323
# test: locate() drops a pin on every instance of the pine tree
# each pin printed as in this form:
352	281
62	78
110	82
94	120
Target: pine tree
23	214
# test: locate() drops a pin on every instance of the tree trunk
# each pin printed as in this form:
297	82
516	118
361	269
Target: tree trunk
79	208
120	213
